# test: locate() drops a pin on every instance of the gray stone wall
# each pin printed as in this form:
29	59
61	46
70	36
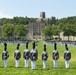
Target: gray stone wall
35	30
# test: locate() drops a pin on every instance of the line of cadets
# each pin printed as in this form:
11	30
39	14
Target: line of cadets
33	55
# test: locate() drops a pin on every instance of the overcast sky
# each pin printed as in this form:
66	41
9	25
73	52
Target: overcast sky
32	8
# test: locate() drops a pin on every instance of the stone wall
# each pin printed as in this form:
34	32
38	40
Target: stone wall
35	30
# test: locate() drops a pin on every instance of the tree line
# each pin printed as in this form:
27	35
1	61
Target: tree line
67	29
9	31
17	20
25	20
17	27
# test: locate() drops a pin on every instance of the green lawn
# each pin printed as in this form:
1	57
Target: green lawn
61	70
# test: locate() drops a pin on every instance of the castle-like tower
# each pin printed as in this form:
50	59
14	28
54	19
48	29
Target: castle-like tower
42	14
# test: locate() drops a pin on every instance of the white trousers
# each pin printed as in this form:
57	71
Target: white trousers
55	63
33	65
67	63
26	63
44	63
5	63
17	63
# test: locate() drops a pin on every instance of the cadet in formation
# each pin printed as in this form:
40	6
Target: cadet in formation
33	57
44	57
67	56
5	55
17	55
55	56
26	55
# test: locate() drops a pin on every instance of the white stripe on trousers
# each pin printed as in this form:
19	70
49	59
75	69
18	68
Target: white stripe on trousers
26	62
44	63
67	63
55	63
17	63
33	64
5	63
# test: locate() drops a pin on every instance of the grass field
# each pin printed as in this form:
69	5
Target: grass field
61	70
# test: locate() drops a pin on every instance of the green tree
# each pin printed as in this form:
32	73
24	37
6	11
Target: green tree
47	31
56	31
69	30
20	30
7	30
73	28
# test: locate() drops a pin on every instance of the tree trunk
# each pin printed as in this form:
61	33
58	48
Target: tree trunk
68	38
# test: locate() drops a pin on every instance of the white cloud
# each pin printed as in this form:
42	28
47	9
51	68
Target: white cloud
4	15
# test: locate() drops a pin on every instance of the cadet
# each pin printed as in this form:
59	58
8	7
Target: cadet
17	55
26	55
5	55
33	57
44	56
55	56
67	56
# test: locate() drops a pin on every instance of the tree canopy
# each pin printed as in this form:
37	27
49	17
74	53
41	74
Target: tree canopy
7	30
47	31
20	30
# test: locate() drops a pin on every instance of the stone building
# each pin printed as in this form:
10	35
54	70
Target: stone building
35	30
65	38
43	18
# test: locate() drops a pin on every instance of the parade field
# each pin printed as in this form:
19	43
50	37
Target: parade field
61	70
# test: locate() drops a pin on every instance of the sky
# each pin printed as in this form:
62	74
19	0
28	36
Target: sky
32	8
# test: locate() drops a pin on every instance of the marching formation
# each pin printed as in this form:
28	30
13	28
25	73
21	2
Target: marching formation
33	56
